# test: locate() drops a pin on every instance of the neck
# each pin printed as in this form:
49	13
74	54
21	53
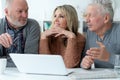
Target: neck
103	30
10	24
13	26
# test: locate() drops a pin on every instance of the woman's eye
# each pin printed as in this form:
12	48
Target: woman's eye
62	16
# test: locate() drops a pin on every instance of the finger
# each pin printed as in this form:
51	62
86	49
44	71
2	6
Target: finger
100	44
92	52
88	52
48	33
84	64
3	40
95	51
9	38
87	62
90	60
59	34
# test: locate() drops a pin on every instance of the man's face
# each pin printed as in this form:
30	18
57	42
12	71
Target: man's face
94	19
17	13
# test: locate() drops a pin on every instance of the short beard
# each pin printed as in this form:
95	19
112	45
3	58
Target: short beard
17	24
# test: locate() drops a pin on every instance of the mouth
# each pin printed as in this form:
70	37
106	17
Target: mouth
57	24
89	25
23	20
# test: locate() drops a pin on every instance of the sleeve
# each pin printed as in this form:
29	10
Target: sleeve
32	37
44	46
86	46
2	25
1	51
73	51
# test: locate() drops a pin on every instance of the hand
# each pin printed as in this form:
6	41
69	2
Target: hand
57	31
99	53
47	33
87	62
63	32
5	40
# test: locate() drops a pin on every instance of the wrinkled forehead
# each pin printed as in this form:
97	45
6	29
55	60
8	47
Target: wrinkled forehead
16	3
94	8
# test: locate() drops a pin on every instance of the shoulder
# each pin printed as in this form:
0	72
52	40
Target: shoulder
116	26
2	24
32	26
80	37
32	21
2	21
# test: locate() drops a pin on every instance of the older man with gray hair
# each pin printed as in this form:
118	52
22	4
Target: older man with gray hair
103	36
18	34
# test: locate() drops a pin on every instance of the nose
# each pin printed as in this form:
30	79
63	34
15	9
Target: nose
24	14
56	19
87	19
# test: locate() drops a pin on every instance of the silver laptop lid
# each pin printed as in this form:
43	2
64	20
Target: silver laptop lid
39	64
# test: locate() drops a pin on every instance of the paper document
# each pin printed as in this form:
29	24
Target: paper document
93	74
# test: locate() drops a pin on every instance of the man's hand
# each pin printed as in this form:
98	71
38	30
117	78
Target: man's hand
5	40
87	62
99	53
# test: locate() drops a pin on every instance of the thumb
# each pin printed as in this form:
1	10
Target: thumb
100	44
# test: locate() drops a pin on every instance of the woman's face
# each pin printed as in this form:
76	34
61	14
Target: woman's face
59	19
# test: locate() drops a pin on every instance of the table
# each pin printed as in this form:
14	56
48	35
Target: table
14	74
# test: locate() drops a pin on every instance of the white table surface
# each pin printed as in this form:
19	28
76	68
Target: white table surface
14	74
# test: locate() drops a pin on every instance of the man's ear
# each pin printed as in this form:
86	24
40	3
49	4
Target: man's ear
6	11
107	18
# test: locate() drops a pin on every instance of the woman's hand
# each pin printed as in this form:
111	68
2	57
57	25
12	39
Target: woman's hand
57	31
63	32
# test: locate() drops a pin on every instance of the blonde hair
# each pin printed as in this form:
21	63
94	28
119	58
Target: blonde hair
71	17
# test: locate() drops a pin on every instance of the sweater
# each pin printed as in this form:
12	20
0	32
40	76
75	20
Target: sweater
69	48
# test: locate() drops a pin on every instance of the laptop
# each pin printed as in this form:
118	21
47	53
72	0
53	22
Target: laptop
40	64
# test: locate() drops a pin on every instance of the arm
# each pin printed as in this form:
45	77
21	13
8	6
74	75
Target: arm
44	41
44	46
73	51
32	31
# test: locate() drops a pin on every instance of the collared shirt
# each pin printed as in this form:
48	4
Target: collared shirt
17	38
111	41
31	36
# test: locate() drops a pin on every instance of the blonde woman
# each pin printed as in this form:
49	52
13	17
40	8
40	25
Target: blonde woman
63	37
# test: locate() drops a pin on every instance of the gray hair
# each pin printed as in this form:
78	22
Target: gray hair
105	7
8	3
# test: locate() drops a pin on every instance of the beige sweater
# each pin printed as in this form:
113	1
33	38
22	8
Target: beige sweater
69	49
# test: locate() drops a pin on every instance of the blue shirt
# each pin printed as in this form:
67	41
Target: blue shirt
111	41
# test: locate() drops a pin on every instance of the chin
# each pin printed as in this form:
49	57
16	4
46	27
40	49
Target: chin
91	29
